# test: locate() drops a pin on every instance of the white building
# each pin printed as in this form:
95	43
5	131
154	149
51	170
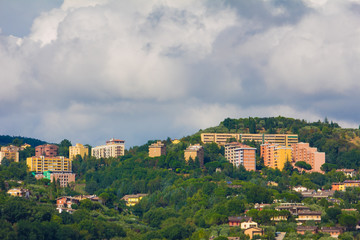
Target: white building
113	148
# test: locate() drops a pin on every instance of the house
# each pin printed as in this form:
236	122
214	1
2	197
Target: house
18	192
333	231
251	232
293	208
248	224
348	172
352	183
261	206
304	216
132	200
299	189
236	221
317	194
66	202
303	229
338	187
279	218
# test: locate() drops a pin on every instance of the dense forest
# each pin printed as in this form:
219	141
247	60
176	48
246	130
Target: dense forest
184	201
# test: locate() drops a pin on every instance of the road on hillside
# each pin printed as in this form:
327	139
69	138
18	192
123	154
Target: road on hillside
280	236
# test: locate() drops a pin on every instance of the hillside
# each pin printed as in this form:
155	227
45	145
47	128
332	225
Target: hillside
6	139
342	146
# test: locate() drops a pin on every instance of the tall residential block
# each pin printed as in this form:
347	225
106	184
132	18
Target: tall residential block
10	152
223	138
54	164
303	152
157	149
47	150
194	151
275	156
113	148
241	154
78	149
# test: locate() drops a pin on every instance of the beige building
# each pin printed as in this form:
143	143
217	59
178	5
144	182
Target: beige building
222	138
240	154
194	151
78	149
54	164
9	153
303	152
157	149
113	148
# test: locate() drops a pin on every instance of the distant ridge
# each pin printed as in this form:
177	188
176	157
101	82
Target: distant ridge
6	139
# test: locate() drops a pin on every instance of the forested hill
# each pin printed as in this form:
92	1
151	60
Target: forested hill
6	139
342	146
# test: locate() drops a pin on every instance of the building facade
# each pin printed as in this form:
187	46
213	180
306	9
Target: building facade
303	152
9	152
194	151
157	149
54	164
64	178
46	150
223	138
240	154
113	148
78	149
275	156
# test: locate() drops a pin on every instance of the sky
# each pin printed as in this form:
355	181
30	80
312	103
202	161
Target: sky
91	70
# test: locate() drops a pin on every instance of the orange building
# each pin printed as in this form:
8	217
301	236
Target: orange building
157	149
303	152
194	151
241	154
274	155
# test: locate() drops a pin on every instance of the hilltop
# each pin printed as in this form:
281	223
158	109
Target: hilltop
341	145
6	139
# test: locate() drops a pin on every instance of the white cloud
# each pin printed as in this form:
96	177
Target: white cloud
137	70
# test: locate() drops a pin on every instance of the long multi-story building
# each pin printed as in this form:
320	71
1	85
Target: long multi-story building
194	151
78	149
241	154
54	164
10	152
47	150
303	152
275	156
157	149
223	138
113	148
64	178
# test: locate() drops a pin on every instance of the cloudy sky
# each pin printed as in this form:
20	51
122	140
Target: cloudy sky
89	70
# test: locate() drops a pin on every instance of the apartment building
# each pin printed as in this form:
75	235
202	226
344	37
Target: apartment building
10	152
275	156
240	154
54	164
222	138
47	150
157	149
303	152
113	148
194	151
78	149
64	177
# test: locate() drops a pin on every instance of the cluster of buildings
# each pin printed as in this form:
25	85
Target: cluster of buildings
341	186
247	224
276	150
11	152
193	152
65	203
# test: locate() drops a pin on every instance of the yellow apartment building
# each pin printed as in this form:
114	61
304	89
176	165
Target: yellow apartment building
275	156
157	149
194	151
222	138
78	149
54	164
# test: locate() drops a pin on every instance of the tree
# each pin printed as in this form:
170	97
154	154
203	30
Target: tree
64	148
348	221
303	165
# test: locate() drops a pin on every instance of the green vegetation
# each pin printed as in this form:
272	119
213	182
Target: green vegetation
184	201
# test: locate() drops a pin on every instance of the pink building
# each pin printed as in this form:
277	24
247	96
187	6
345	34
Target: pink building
47	150
303	152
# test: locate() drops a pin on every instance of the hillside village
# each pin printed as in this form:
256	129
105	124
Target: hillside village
255	178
